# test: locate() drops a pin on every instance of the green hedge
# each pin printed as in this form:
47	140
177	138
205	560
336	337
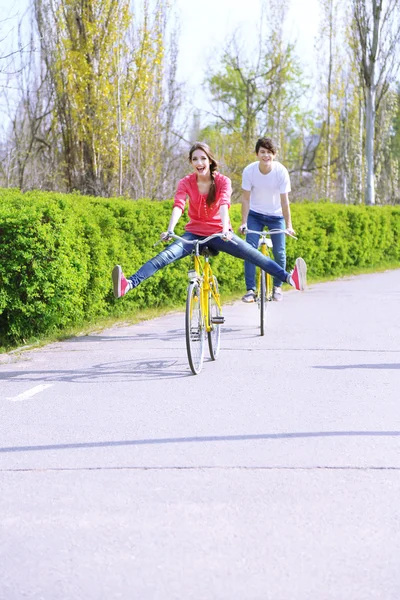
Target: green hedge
57	252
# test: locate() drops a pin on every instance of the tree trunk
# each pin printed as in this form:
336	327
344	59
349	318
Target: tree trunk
328	120
369	145
360	153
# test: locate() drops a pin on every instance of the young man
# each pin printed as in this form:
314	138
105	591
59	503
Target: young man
265	203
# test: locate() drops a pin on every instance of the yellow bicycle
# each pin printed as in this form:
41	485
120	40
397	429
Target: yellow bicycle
203	316
264	280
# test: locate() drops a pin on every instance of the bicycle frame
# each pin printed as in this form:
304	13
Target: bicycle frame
203	273
264	244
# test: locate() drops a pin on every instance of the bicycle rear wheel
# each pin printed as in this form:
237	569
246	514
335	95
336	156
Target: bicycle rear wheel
194	328
216	320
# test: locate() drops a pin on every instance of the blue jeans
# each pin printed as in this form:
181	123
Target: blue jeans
178	249
257	222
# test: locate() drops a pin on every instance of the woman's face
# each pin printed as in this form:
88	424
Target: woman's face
200	162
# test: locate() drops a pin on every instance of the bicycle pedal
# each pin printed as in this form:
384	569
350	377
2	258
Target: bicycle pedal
218	320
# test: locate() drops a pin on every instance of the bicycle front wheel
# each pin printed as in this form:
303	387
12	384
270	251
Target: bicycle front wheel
216	320
194	328
264	297
262	300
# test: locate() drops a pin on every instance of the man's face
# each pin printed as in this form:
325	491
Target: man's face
265	156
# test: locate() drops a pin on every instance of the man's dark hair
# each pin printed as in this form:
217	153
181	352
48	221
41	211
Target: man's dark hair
267	143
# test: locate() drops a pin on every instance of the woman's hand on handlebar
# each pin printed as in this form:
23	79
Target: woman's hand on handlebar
165	236
227	235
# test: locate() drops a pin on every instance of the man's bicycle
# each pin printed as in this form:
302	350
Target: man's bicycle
203	316
264	280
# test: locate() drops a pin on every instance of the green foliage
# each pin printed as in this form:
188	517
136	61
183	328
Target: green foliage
58	251
336	239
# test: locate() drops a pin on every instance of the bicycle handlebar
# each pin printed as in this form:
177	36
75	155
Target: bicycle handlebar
173	235
197	241
271	232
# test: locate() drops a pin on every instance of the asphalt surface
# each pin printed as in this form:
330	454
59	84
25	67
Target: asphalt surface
272	475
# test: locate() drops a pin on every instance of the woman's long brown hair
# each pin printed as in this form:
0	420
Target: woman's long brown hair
213	167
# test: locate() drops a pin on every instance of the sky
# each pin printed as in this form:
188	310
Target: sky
205	27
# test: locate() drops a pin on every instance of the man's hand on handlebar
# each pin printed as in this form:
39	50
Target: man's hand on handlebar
243	228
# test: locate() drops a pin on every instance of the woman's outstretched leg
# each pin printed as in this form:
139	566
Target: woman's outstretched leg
241	249
175	251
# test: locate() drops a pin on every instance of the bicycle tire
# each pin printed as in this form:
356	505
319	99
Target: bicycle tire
194	328
214	312
263	300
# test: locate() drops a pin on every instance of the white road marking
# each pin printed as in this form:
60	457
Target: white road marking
31	392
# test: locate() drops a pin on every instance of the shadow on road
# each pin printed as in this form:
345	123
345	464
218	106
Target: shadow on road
361	366
129	370
202	439
161	336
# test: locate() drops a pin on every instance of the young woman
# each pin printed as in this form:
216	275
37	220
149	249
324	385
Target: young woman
209	195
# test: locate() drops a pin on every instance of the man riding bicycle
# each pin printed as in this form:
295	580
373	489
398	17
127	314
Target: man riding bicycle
265	203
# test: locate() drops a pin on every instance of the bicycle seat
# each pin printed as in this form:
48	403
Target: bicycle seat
207	251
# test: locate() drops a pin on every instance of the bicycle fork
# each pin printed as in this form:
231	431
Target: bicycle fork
263	245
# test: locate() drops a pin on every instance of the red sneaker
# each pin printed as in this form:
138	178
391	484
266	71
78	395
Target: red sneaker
120	282
298	277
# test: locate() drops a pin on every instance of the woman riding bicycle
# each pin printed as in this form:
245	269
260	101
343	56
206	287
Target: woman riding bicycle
209	194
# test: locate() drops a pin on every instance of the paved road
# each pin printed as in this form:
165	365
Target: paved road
273	475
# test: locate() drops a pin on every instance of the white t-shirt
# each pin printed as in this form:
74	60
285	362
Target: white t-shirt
265	190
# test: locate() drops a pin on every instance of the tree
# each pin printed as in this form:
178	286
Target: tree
156	99
386	158
255	93
27	105
377	30
115	93
80	42
395	147
332	90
